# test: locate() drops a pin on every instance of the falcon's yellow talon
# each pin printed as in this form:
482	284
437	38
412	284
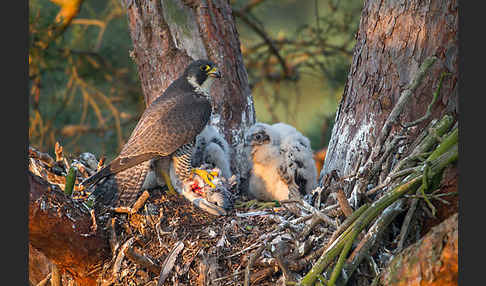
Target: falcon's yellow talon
168	183
206	176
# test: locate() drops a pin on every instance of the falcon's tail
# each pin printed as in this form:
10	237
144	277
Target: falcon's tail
96	177
115	166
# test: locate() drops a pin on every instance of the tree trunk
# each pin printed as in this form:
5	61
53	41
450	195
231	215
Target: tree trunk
393	40
384	95
169	34
431	261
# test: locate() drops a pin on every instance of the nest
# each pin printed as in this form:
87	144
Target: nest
171	239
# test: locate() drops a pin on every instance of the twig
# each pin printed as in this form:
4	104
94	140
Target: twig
384	184
44	281
262	274
421	149
120	256
397	110
228	276
315	221
406	223
142	260
426	142
94	225
428	113
388	149
371	237
55	276
425	186
266	39
136	206
345	225
252	259
306	206
44	157
256	244
343	203
373	211
169	262
113	240
376	281
278	255
339	264
446	143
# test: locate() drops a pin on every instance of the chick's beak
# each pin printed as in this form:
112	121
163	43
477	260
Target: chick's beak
214	72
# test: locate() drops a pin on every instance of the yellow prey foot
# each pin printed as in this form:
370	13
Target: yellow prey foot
206	176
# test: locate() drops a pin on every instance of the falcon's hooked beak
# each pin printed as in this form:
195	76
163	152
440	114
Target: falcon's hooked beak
214	72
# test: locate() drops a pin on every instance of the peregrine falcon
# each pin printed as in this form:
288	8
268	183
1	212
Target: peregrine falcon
165	133
281	162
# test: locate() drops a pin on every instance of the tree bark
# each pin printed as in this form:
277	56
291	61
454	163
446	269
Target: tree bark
61	230
39	266
393	40
431	261
167	35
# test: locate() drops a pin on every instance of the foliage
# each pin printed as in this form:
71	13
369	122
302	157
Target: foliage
297	55
84	88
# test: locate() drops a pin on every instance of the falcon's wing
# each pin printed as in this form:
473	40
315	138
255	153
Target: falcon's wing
167	124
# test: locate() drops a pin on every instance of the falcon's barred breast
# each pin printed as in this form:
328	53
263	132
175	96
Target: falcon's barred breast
165	130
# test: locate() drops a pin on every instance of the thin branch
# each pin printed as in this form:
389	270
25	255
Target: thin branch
405	225
251	4
428	113
266	39
252	259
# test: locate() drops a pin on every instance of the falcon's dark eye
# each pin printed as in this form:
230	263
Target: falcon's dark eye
205	67
258	136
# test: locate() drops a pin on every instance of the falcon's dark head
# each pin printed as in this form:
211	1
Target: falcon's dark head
200	74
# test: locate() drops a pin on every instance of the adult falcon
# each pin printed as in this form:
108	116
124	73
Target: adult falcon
165	132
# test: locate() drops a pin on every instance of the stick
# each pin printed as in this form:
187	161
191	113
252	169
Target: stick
429	108
44	281
374	210
228	276
406	223
252	259
169	262
55	276
343	203
397	110
120	256
142	260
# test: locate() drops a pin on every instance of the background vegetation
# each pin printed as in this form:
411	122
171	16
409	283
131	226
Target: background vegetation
84	89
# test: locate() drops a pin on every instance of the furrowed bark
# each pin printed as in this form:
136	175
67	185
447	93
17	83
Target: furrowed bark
431	261
393	40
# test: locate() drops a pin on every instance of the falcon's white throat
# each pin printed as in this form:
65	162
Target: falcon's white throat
202	89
